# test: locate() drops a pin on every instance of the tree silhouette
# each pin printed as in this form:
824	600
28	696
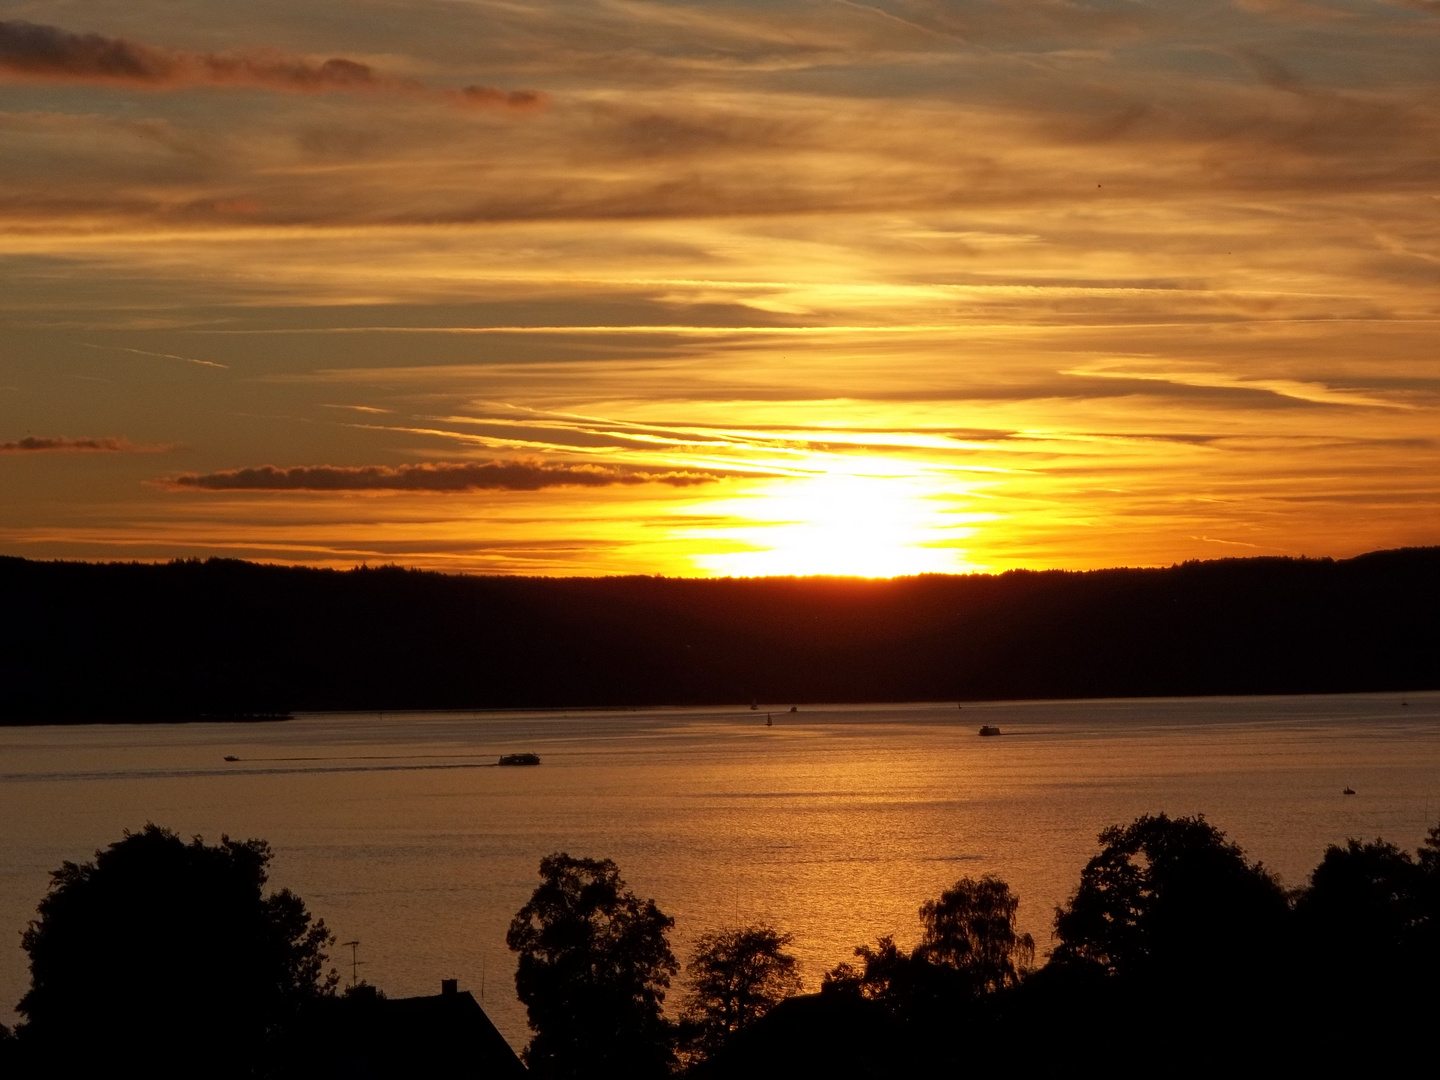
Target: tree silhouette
594	964
886	974
1427	932
971	929
969	948
1370	918
1429	853
736	977
168	956
1170	897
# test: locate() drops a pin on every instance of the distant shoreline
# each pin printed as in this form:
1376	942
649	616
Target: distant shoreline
182	718
227	641
807	709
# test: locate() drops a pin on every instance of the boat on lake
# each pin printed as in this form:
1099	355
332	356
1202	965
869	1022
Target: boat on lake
989	729
520	759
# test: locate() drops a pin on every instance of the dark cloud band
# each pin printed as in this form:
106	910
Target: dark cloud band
33	445
437	476
30	52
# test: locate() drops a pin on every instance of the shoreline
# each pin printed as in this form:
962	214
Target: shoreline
173	718
743	711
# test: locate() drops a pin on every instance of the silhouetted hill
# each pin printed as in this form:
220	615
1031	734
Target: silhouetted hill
117	640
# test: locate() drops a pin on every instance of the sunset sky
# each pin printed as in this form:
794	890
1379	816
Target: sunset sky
794	286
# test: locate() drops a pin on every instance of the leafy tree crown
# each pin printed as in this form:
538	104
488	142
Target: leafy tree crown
594	965
159	946
1169	894
736	977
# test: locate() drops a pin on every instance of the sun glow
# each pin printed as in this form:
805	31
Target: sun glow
842	523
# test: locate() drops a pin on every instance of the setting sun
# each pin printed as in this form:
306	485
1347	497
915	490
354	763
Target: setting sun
842	524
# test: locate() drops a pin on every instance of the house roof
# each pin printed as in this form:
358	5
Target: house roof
446	1034
450	1030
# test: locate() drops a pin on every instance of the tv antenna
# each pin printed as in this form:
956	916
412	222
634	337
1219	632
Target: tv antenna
354	947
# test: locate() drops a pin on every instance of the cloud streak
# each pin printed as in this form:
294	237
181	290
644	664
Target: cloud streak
161	355
32	52
36	445
513	475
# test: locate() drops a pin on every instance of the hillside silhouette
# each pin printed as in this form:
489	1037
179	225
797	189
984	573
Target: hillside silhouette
224	638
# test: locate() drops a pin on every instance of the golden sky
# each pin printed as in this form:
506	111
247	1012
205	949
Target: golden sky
793	286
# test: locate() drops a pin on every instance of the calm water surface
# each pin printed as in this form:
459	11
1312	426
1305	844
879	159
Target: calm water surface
835	824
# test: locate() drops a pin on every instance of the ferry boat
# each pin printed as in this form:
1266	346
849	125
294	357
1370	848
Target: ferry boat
519	759
989	729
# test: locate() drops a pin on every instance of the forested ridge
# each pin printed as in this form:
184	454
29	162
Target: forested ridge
96	641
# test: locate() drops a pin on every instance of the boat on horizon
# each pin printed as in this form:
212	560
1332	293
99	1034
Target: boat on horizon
989	729
519	759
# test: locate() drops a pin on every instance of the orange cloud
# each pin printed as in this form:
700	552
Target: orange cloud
31	52
488	97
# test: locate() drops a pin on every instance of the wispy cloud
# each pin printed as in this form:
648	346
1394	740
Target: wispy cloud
1311	392
32	52
515	475
160	355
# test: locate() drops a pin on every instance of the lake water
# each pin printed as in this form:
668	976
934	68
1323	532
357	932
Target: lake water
835	824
